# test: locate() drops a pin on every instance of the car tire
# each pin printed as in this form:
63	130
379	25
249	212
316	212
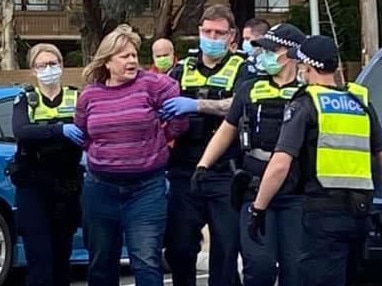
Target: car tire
5	250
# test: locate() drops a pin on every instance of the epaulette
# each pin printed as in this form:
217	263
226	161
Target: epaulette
301	91
241	54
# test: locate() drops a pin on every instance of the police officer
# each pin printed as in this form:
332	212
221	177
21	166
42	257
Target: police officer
46	170
253	30
257	113
332	132
207	81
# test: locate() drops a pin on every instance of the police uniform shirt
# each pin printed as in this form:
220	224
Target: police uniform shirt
246	70
241	97
256	167
299	133
20	119
43	135
243	73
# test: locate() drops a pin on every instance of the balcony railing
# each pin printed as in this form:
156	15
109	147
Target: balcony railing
45	25
272	6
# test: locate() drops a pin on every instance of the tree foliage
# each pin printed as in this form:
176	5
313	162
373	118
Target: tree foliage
347	22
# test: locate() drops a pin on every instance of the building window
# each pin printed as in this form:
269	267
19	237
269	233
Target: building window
272	6
38	5
147	5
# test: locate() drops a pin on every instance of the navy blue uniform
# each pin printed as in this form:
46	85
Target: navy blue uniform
329	233
188	212
47	176
283	218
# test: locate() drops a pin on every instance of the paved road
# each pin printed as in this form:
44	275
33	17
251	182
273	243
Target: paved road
79	278
128	280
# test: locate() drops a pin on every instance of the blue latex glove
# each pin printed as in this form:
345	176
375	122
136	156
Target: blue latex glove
180	105
164	116
72	132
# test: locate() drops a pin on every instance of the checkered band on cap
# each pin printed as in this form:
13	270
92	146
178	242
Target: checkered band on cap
307	60
280	41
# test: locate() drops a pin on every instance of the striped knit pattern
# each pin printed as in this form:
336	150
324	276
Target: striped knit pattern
124	134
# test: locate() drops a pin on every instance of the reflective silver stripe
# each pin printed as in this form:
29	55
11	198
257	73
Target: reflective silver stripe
260	154
344	142
346	183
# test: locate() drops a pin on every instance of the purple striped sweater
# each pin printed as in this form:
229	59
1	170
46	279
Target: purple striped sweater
124	133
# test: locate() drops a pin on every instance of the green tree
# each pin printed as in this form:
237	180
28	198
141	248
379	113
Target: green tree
347	22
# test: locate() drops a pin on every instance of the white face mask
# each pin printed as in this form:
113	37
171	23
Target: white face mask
49	75
300	78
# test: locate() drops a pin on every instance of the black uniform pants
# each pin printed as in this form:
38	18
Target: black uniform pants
46	221
188	214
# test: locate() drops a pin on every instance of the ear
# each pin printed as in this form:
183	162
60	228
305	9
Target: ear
33	72
200	30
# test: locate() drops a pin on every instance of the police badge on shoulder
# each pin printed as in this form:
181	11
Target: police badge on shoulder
288	113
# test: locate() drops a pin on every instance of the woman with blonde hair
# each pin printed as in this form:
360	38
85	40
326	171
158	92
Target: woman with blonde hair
124	191
47	172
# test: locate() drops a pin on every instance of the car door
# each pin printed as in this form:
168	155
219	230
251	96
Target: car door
7	147
370	76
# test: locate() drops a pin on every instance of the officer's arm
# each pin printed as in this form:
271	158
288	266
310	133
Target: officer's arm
214	107
290	141
23	129
222	107
218	144
227	131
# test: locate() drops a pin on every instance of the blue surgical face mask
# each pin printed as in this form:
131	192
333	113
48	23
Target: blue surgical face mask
49	75
248	48
213	48
268	61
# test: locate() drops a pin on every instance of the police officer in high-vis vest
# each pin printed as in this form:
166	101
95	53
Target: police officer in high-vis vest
46	170
207	81
256	114
332	132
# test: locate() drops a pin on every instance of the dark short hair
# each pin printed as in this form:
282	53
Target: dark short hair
257	25
237	35
216	12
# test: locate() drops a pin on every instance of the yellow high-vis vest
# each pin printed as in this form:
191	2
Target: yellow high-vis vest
343	147
65	110
263	90
224	79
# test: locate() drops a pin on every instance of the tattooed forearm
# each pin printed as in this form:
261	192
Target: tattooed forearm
214	107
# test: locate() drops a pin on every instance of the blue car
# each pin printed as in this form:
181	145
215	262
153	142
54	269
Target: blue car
370	76
11	247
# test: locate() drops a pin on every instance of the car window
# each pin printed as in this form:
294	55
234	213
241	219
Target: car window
6	107
371	78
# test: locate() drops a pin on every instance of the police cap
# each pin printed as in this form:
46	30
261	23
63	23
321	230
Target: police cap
281	35
318	51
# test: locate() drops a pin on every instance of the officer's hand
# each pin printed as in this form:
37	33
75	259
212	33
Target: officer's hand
180	105
239	185
256	227
164	116
197	178
72	132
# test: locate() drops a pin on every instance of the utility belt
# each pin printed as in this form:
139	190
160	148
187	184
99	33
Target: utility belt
219	167
259	154
64	182
358	202
207	93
